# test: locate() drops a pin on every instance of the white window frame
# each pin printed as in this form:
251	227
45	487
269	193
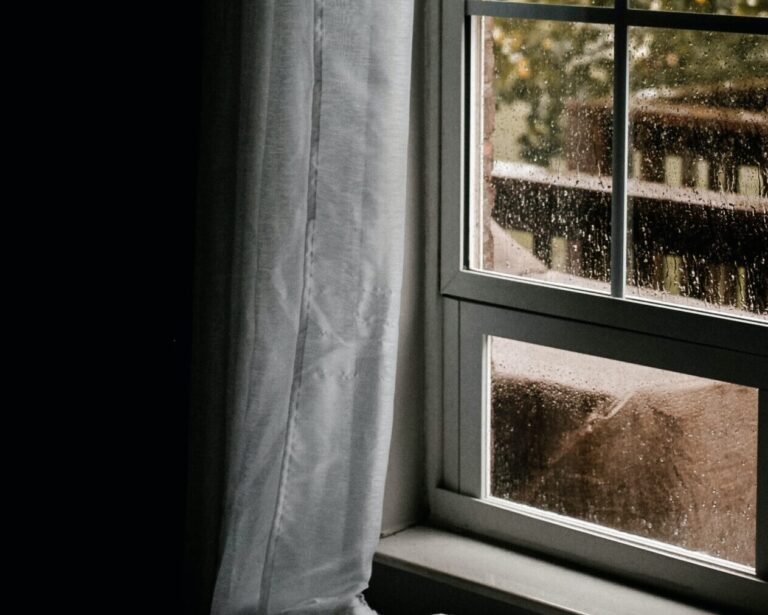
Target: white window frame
477	304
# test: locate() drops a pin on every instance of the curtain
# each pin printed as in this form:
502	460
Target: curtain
300	255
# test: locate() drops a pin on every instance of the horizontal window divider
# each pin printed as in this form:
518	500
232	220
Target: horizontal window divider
697	21
609	343
551	12
694	579
664	321
743	24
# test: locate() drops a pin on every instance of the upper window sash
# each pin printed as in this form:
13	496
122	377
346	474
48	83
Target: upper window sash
457	280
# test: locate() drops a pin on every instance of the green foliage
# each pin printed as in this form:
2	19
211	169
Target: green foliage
547	63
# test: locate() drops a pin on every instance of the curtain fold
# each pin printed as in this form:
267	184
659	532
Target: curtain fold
303	207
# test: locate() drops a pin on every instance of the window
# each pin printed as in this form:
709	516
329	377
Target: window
604	272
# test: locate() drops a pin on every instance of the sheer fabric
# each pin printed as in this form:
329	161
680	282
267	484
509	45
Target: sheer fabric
303	229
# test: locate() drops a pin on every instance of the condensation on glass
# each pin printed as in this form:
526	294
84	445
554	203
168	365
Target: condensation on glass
753	8
542	182
649	452
698	176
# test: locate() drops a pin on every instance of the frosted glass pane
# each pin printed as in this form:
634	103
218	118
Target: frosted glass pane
755	8
542	203
654	453
698	189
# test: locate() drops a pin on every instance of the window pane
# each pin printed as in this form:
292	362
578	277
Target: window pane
541	206
755	8
650	452
698	189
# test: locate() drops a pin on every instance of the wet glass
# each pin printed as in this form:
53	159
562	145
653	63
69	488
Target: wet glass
542	191
754	8
649	452
698	176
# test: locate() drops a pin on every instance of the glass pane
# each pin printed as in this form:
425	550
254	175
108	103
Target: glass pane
698	188
541	208
650	452
755	8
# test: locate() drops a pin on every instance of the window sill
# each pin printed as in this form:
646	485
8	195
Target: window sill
513	578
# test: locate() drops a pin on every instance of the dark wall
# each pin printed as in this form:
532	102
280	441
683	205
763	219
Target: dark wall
123	88
181	116
184	115
162	125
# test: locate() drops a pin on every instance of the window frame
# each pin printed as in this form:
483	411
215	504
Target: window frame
476	304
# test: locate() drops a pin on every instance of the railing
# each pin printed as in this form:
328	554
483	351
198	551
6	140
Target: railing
714	132
705	244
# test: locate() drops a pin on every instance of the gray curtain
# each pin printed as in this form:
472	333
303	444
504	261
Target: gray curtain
300	233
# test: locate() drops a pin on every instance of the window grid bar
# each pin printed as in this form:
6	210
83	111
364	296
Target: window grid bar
619	180
633	17
540	11
697	21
